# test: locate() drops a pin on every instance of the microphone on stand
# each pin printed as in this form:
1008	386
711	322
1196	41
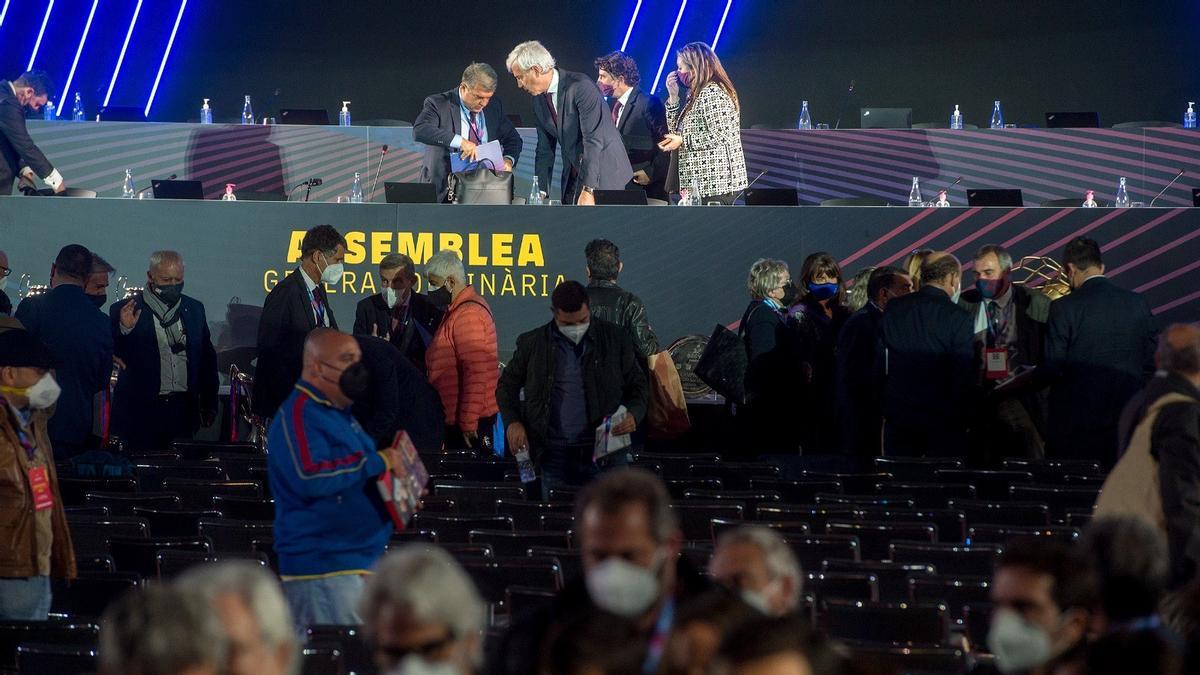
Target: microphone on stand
378	171
1161	192
842	104
945	189
310	184
151	186
749	185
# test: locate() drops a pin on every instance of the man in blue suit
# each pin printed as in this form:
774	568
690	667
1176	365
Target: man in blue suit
168	388
67	321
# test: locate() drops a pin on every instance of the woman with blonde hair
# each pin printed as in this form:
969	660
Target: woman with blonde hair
912	265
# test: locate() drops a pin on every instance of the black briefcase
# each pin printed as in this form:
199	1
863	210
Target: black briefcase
722	365
480	186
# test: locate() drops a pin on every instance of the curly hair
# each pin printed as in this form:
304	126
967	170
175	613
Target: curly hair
621	66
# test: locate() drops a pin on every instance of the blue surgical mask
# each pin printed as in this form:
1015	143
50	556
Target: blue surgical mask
821	292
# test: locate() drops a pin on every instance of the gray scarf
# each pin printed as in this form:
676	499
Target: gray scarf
168	317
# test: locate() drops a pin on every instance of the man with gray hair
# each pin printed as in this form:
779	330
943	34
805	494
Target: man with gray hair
168	387
758	564
462	119
160	630
573	117
397	313
253	613
96	286
422	613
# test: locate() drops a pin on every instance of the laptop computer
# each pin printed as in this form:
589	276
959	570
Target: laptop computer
885	118
1072	120
177	189
771	197
620	197
303	116
409	193
999	197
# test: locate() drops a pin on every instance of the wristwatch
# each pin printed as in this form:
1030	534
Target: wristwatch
588	189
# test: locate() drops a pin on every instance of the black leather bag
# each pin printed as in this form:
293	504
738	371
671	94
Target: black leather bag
480	186
722	364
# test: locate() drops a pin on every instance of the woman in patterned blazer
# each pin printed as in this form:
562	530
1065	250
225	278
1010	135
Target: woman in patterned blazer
706	128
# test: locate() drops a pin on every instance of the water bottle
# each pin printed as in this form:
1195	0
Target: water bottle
956	121
525	466
914	195
247	112
535	194
1122	200
127	190
805	122
344	115
356	191
697	198
205	113
1189	116
997	118
48	111
229	196
77	111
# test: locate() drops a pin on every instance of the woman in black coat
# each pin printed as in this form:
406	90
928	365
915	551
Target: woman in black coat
773	371
820	313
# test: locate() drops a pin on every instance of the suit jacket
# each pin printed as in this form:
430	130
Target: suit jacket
592	152
373	317
1099	352
642	125
441	120
287	318
80	338
139	383
400	398
1032	310
711	155
16	147
5	304
859	382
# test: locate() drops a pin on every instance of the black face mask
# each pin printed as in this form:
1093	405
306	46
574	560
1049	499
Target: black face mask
440	297
355	381
169	294
98	300
790	294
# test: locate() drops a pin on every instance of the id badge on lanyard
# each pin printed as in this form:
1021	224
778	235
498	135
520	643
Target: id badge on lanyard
995	363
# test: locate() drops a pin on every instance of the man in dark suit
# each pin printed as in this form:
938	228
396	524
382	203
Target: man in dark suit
398	314
294	307
450	122
930	365
860	365
18	153
1099	352
640	118
168	388
399	397
79	336
572	116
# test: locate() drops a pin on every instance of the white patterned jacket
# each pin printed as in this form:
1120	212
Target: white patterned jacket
712	143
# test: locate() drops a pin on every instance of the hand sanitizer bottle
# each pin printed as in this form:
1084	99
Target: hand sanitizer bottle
956	120
77	111
205	113
229	196
344	115
48	111
1189	117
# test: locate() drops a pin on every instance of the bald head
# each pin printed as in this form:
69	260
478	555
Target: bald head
943	270
327	353
1179	351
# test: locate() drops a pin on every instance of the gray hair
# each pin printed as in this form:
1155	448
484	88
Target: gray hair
529	54
100	265
480	75
257	587
766	274
165	258
781	562
392	261
1001	253
446	264
616	489
1179	349
428	584
159	629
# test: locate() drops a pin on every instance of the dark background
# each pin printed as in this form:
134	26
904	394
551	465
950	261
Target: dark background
1127	60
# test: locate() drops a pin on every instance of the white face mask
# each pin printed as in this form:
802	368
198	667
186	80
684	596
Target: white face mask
760	600
623	588
414	664
332	274
389	296
43	394
1017	644
954	296
574	333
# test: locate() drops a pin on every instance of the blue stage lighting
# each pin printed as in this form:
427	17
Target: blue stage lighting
721	26
632	20
670	41
121	58
38	44
166	55
87	27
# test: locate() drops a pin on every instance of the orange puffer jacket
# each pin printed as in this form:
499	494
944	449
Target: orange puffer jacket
464	362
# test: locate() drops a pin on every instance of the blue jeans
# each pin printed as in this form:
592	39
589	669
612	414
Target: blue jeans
573	466
24	599
326	601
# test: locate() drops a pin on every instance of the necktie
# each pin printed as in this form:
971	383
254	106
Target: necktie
996	321
616	112
550	104
318	303
475	136
399	317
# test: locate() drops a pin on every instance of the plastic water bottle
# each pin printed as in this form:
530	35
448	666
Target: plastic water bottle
205	113
956	121
247	112
535	194
525	466
77	111
997	118
127	190
1122	200
356	191
229	196
48	111
696	197
805	122
914	195
1189	116
344	115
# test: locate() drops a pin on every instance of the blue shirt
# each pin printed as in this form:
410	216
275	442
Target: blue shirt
568	406
464	119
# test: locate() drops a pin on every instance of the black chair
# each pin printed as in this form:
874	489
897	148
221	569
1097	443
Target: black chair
521	600
152	474
74	489
122	504
198	494
241	467
893	501
563	495
733	475
234	536
59	659
949	558
484	471
1080	519
14	633
267	548
477	497
1045	470
1058	498
141	555
929	495
174	523
439	505
86	596
527	515
999	534
951	524
992	485
570	561
96	511
356	655
95	562
816	515
556	522
812	552
912	660
321	659
796	491
854	483
494	577
510	543
875	537
244	508
783	528
90	536
883	623
1077	481
695	518
976	620
862	586
915	469
679	486
676	466
194	451
411	536
749	498
1022	514
457	529
170	564
891	578
854	201
469	551
954	592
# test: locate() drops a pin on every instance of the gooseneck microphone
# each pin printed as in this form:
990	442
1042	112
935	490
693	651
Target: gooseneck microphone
378	170
1168	187
749	185
151	186
310	184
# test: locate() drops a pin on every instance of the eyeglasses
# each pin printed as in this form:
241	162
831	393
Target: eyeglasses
5	271
397	654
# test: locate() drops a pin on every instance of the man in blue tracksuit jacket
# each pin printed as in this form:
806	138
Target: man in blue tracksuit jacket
330	524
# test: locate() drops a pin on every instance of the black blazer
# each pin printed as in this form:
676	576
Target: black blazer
1099	352
16	147
858	384
287	318
441	120
1031	313
643	124
592	152
400	398
372	317
138	384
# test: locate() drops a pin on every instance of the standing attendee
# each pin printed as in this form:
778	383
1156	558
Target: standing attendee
6	307
292	309
330	524
398	397
398	313
641	119
168	387
461	120
820	313
80	338
912	264
1100	343
161	630
707	128
96	286
861	362
37	543
571	116
563	381
464	359
857	296
610	302
19	153
757	563
931	367
775	373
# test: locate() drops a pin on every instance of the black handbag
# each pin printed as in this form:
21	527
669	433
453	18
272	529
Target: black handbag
480	186
722	364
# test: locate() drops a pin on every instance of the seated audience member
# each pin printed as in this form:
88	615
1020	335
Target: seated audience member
775	373
700	626
6	307
398	313
161	630
758	564
856	294
398	397
613	304
1043	596
595	643
250	607
1129	557
422	614
630	542
820	312
564	379
96	287
777	646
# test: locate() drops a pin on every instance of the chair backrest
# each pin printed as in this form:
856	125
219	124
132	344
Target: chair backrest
122	503
875	537
1021	514
912	660
695	518
812	552
854	201
181	523
477	497
14	633
889	500
929	495
1058	498
86	596
457	528
892	578
908	624
244	508
319	658
1000	534
140	555
199	493
862	586
234	536
988	484
510	543
951	524
949	558
952	591
918	469
783	527
53	658
90	535
493	577
151	475
796	491
355	653
201	450
733	475
74	489
171	563
527	515
750	498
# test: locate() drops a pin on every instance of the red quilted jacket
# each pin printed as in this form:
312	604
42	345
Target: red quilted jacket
463	361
